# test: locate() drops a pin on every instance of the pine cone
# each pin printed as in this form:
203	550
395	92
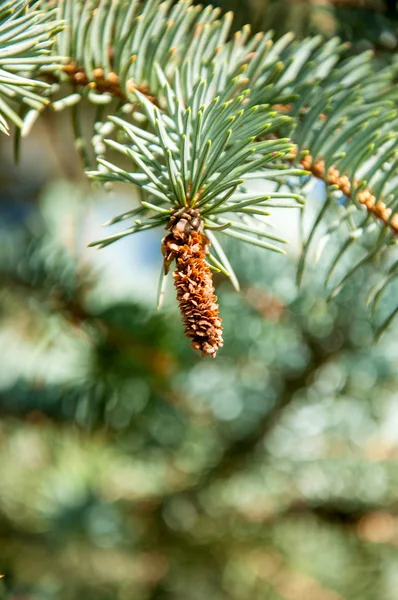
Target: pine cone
188	246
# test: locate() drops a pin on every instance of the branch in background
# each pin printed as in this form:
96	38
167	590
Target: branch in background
392	8
375	5
377	209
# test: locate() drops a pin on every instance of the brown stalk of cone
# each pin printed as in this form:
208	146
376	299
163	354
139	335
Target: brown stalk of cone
188	246
365	197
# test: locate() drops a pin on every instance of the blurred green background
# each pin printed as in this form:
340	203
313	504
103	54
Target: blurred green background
132	469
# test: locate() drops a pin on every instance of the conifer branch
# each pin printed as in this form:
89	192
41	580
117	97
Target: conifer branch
377	209
200	112
26	37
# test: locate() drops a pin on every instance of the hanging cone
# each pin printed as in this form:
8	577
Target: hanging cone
188	246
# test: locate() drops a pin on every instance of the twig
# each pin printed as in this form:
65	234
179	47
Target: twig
365	197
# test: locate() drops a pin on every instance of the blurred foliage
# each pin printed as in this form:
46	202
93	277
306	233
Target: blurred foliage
132	469
364	23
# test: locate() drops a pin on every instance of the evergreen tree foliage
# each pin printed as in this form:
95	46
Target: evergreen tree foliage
130	468
199	113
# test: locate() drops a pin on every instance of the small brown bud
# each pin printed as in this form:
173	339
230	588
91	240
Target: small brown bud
113	78
98	73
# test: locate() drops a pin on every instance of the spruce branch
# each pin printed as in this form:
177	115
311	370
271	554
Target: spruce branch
103	39
198	112
192	165
378	209
26	37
